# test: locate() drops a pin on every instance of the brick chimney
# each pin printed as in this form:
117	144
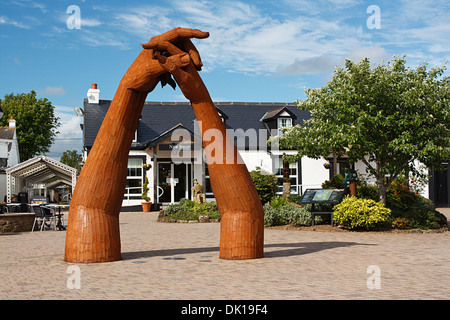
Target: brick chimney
93	94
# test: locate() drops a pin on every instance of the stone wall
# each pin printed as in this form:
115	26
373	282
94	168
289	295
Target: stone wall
16	222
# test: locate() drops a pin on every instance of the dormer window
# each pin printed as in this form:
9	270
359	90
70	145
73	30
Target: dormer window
278	118
283	123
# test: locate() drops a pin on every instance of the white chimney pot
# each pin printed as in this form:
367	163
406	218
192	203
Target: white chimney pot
12	123
93	94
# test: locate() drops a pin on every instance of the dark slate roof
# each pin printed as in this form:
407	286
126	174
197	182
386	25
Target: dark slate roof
272	114
6	133
159	119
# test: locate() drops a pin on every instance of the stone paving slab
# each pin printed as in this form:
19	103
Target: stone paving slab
180	261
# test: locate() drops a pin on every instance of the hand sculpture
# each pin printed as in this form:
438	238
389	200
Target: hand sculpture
93	233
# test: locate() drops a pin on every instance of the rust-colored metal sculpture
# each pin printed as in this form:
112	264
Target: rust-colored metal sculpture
93	229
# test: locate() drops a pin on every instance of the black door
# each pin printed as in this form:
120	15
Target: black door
440	186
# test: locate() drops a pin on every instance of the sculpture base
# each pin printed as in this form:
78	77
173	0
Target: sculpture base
241	236
92	237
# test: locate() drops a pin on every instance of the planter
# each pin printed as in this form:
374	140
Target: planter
146	206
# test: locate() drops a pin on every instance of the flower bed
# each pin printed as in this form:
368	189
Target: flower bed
187	211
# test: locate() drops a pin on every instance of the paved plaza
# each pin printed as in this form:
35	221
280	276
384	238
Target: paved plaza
181	261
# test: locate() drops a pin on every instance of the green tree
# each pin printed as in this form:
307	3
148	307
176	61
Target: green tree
387	117
36	123
72	159
265	183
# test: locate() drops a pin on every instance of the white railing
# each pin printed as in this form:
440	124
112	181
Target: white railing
127	193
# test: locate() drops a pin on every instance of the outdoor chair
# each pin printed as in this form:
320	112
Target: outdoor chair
41	215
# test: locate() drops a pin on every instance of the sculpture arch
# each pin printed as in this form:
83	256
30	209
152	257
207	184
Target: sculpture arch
93	233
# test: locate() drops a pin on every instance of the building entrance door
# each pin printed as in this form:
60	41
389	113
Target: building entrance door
173	182
441	187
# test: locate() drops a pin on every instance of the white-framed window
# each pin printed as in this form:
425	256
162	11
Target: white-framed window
293	175
283	123
135	177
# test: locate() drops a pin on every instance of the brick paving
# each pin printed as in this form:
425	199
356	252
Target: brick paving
180	261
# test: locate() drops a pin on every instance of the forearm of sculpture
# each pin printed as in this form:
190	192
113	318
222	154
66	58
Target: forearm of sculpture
93	225
242	215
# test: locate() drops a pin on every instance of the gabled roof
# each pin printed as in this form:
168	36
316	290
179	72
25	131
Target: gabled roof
41	169
163	136
275	113
159	118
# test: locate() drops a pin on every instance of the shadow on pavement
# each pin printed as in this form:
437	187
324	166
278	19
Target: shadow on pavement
294	249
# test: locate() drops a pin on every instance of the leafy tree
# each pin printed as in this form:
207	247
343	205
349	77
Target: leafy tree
72	159
386	117
36	123
265	183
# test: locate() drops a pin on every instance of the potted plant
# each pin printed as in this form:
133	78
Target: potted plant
146	204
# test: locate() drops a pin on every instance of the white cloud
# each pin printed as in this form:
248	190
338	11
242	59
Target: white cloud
319	64
85	22
300	37
376	54
55	91
7	21
70	135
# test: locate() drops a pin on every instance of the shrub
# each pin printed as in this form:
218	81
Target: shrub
417	211
277	202
206	209
400	223
186	209
286	213
270	216
294	198
355	213
296	216
183	207
266	184
425	218
337	182
367	192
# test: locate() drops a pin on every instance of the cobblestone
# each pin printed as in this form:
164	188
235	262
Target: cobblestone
296	265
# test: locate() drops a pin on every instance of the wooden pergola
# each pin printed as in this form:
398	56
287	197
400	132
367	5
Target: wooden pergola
38	171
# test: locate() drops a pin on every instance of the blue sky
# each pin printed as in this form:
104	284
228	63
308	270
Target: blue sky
258	51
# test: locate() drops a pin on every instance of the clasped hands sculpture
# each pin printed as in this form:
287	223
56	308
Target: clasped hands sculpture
93	233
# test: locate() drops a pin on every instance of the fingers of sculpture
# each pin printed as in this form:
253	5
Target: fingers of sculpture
177	41
171	63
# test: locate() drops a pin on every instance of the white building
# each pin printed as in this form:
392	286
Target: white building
9	153
175	164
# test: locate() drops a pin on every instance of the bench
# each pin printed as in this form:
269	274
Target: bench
322	196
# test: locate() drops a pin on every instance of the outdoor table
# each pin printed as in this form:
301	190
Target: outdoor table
53	207
13	207
322	196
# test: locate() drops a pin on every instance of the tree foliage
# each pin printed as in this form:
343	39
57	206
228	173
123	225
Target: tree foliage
36	123
388	117
266	184
72	159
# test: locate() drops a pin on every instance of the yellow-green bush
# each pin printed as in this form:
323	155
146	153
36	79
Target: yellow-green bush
355	213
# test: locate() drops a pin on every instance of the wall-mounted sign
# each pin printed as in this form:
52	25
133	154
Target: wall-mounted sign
175	146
